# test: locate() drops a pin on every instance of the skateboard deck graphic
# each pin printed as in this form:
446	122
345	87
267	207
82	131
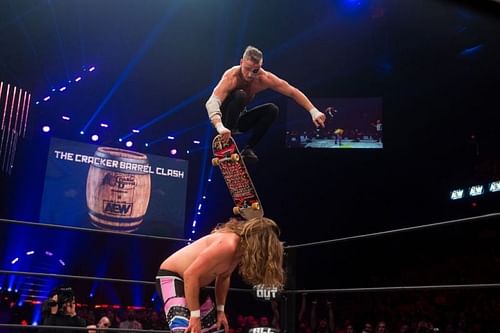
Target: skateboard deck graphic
238	181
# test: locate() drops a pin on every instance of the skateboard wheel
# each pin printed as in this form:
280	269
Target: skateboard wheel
236	210
215	161
256	206
235	157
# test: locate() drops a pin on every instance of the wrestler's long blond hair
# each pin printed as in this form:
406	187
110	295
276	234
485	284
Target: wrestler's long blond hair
262	251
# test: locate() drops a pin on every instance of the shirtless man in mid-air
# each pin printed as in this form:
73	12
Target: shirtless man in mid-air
226	106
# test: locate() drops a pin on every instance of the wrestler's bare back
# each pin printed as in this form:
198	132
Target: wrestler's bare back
183	258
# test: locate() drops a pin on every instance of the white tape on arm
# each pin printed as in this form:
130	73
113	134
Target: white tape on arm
213	107
314	113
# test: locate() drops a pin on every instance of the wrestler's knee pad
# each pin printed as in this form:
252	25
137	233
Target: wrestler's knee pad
209	319
177	318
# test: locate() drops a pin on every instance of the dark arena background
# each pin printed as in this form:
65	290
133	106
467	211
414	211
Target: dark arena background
134	75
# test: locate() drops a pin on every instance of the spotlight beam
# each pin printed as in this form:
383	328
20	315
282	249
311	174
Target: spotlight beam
150	40
172	110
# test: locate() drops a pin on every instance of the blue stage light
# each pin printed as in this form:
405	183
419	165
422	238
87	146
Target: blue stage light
104	125
94	137
129	144
46	129
65	118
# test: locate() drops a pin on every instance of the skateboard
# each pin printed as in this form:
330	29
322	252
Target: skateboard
228	158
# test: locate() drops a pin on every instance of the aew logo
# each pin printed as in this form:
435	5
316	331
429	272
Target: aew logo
262	330
265	293
114	208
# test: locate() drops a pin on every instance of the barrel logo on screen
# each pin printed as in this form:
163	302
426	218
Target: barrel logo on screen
118	193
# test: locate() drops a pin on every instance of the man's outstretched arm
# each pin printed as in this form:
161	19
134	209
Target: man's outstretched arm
298	96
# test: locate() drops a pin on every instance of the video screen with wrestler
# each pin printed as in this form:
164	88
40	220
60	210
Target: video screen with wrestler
107	188
350	123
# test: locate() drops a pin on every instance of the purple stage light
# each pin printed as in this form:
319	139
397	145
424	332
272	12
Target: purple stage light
173	151
65	118
129	144
46	129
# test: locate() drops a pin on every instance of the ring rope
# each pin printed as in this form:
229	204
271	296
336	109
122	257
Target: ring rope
94	278
76	328
59	226
395	231
397	288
